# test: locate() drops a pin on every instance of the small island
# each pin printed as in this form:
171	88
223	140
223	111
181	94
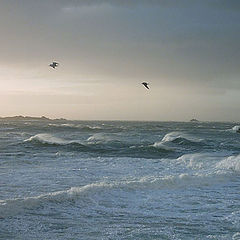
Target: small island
28	118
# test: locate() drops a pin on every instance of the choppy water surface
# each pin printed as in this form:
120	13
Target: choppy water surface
119	180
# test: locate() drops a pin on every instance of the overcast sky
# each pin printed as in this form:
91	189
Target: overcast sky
188	50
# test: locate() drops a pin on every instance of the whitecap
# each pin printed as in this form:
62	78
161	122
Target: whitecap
61	125
169	137
233	129
230	163
207	161
93	127
162	146
99	138
49	139
236	128
12	207
236	236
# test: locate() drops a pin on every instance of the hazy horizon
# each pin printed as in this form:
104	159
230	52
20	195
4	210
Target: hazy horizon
188	52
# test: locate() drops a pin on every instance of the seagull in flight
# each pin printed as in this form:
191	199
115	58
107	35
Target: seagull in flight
145	85
54	65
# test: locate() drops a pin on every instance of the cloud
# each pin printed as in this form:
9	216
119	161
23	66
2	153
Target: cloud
188	41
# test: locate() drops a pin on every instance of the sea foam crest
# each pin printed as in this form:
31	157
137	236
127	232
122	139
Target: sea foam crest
236	128
172	136
12	207
162	146
230	163
49	139
71	125
207	160
211	162
62	125
176	135
100	138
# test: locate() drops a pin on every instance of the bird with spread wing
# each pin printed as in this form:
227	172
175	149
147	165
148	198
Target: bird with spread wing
145	84
54	65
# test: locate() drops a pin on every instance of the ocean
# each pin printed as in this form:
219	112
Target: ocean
119	180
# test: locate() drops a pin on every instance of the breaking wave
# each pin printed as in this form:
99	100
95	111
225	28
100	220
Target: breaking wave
102	138
75	126
103	144
160	145
206	169
211	162
177	138
45	138
230	163
173	136
12	207
233	129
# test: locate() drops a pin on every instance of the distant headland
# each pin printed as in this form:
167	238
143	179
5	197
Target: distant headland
43	118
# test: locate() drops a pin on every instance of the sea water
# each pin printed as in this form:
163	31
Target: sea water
119	180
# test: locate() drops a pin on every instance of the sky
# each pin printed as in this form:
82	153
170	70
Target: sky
188	50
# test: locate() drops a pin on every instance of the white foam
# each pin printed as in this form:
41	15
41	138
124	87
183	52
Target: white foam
236	236
169	137
11	207
49	139
70	125
98	138
233	129
175	135
93	127
205	161
162	146
198	160
236	128
230	163
182	180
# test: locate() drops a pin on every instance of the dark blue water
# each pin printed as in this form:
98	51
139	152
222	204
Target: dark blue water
119	180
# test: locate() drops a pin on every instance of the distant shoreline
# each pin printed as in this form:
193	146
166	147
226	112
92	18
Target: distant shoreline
31	118
43	118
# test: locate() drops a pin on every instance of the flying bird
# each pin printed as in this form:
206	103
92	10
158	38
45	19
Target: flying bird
54	65
145	85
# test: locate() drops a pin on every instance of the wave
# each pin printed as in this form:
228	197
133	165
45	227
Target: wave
236	128
230	163
102	138
62	125
46	138
198	161
211	162
233	129
177	138
104	144
98	143
160	145
75	126
12	207
173	136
